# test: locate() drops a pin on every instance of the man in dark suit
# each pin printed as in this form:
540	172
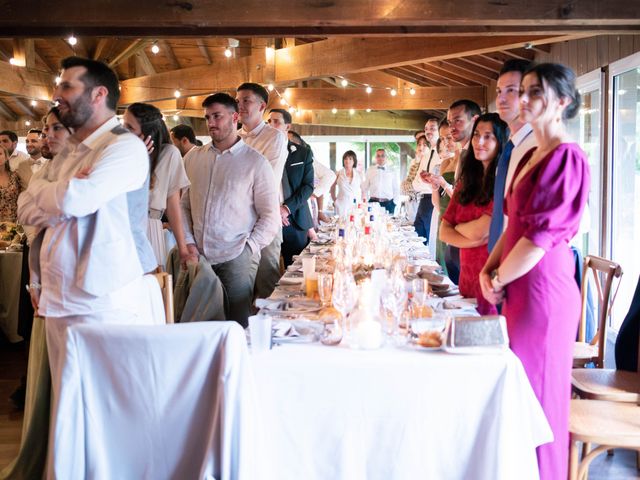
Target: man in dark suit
297	187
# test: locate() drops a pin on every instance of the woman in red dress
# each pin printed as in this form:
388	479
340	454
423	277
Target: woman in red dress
466	222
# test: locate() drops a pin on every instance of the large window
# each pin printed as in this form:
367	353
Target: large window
586	130
625	185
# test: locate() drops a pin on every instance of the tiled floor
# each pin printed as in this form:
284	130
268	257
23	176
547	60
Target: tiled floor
621	466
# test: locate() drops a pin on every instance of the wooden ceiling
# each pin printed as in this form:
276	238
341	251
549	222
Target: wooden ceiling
426	51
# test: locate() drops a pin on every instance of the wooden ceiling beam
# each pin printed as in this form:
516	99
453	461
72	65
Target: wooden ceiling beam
203	50
24	53
379	79
26	111
24	82
346	55
446	78
399	74
413	70
101	46
169	53
338	17
412	76
472	65
134	47
143	64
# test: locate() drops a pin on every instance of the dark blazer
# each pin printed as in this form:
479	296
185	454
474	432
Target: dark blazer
297	185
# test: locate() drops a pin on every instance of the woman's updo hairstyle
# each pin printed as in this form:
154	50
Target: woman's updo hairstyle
562	81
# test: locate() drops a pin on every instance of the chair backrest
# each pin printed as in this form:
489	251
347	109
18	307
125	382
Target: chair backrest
603	272
166	286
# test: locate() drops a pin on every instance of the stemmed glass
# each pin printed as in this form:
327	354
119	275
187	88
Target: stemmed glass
325	287
393	299
344	296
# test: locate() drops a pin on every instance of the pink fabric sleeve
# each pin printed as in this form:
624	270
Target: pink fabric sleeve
552	214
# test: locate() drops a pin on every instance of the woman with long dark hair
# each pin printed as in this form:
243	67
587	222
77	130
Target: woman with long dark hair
167	177
466	221
532	267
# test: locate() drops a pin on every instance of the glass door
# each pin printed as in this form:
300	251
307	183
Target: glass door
586	130
624	78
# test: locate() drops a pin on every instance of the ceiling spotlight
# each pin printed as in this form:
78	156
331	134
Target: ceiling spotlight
228	52
27	123
13	61
177	94
351	111
412	91
368	110
155	49
368	89
72	40
344	82
334	110
34	103
270	87
393	92
176	118
283	101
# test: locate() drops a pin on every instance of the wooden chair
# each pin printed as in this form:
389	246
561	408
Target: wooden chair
166	286
609	424
604	271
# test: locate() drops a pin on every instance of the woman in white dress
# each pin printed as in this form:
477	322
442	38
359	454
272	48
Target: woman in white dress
348	183
167	177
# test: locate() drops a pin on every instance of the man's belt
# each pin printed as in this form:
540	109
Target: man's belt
379	200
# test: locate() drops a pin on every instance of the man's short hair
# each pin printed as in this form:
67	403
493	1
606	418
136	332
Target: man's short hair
471	108
12	135
286	116
443	123
431	119
221	98
256	88
381	150
515	65
35	130
98	74
181	131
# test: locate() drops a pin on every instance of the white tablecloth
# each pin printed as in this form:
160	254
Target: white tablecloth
335	413
157	402
10	272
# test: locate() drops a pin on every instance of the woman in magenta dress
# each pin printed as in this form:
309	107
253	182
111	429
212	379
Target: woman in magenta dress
465	223
532	267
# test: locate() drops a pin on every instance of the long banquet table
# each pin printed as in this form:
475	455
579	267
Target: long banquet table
396	413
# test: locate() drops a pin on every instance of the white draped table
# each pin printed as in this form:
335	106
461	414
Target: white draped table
336	413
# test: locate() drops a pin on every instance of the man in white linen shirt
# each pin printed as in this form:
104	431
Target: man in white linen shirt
231	209
271	143
9	140
381	183
89	268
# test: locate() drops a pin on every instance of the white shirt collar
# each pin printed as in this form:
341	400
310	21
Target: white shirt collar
518	137
256	131
91	141
232	150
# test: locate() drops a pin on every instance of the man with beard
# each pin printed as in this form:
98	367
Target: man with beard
231	207
428	164
9	140
89	269
36	161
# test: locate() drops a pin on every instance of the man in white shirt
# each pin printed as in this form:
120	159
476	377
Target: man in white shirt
271	143
184	138
35	161
89	268
521	140
381	183
9	140
231	208
428	164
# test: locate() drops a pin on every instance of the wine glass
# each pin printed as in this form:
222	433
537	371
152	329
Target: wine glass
344	295
393	299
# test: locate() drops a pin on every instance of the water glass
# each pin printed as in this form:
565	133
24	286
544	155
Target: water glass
325	287
260	331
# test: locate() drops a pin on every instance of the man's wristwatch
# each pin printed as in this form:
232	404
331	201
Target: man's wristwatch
495	281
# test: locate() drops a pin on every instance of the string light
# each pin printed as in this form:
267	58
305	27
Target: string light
344	82
351	111
228	52
368	89
270	87
155	49
334	110
292	110
14	62
177	94
283	101
72	40
412	91
27	123
393	92
368	110
34	103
